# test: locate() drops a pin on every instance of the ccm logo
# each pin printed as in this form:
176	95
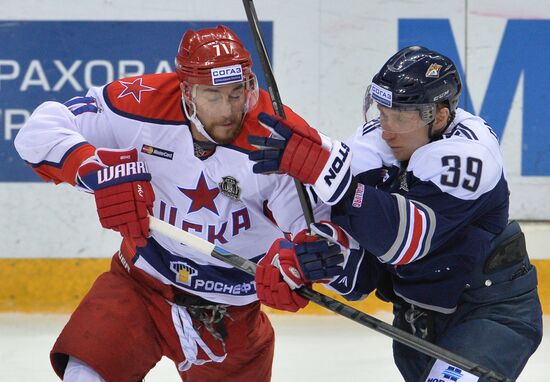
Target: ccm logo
337	164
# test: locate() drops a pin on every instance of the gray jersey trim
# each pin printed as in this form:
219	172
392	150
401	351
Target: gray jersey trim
402	208
402	231
427	306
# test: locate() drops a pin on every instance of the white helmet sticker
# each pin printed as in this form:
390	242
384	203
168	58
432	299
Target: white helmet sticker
381	95
227	75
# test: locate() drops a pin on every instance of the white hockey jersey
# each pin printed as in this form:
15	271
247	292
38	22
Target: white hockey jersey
218	199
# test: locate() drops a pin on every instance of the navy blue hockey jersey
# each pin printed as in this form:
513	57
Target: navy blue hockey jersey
429	224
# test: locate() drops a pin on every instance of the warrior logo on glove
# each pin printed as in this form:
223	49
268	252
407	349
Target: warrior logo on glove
122	189
119	171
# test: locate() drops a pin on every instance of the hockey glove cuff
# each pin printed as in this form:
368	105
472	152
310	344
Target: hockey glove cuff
122	189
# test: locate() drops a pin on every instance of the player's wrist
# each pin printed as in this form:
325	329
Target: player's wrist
74	160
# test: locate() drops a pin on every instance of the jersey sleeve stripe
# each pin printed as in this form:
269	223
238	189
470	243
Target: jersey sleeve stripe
370	126
65	170
471	133
416	231
416	228
431	224
402	210
84	109
79	105
79	100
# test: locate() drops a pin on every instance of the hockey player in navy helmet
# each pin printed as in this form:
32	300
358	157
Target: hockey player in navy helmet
420	207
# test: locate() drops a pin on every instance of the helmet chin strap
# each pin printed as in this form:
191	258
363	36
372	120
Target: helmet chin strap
193	118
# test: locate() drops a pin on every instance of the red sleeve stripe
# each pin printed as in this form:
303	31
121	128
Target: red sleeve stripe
417	231
65	170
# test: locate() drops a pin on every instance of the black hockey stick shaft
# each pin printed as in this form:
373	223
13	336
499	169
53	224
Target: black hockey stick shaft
245	265
364	319
274	94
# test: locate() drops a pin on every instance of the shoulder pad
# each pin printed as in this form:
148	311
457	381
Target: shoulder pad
150	98
369	150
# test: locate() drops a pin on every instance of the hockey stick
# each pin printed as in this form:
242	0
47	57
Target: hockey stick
335	306
274	95
245	265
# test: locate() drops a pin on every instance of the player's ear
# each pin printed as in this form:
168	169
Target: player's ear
442	117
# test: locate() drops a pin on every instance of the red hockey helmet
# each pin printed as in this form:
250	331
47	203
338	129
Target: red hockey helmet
212	56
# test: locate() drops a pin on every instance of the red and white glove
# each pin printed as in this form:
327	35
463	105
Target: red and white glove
308	258
278	273
122	189
305	154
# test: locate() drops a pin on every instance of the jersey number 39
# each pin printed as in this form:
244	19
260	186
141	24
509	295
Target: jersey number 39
456	176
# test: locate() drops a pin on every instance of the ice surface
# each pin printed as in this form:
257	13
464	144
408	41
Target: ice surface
308	348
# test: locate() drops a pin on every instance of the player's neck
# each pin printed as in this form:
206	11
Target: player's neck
203	149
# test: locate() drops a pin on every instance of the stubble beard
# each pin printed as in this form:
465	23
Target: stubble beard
225	139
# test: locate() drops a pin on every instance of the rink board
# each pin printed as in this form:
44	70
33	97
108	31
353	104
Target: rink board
57	285
53	246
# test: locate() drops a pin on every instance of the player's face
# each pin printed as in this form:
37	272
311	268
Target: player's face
220	109
403	131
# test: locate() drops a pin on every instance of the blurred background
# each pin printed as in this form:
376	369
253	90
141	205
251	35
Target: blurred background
323	54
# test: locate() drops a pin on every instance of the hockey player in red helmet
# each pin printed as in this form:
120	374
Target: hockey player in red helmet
215	71
183	139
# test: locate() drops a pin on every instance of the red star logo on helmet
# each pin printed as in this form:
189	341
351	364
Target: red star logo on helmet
201	196
134	88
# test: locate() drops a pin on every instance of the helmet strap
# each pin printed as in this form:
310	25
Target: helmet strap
195	119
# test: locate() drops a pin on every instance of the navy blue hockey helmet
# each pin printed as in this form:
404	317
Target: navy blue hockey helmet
416	78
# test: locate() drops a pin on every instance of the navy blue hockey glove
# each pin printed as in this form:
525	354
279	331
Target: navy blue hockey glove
344	277
289	265
322	252
305	154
